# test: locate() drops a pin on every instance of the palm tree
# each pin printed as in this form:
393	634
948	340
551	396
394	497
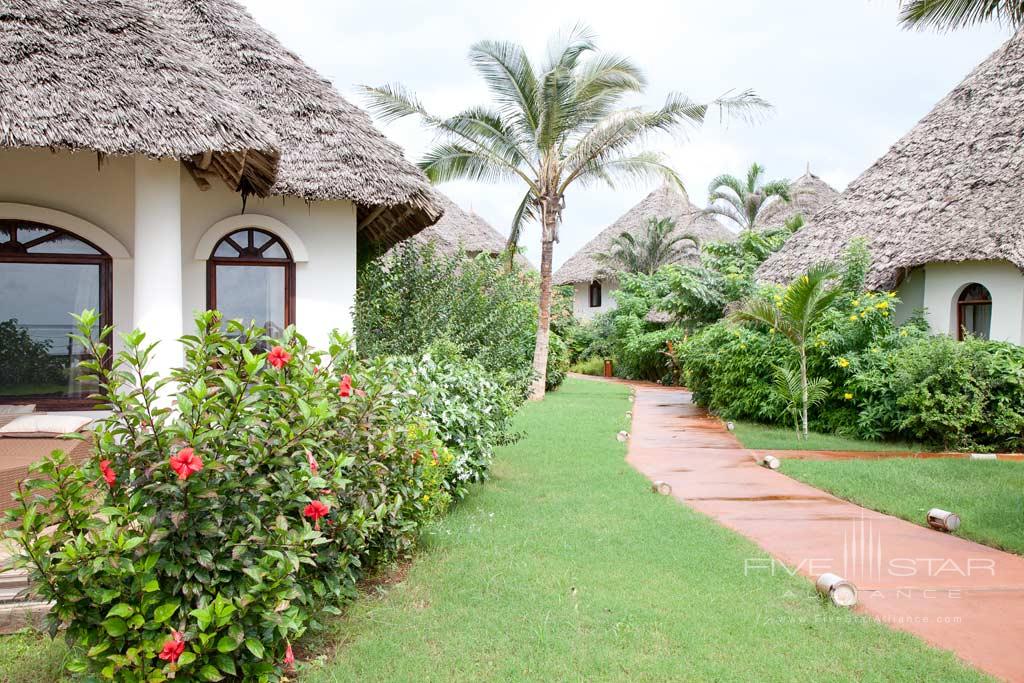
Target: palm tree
656	247
741	201
551	128
953	14
801	307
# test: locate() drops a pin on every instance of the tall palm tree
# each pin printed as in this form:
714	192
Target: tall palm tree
953	14
656	247
741	201
803	304
554	127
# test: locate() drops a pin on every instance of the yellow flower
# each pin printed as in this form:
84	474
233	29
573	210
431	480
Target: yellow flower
853	318
863	314
891	295
848	396
885	314
856	302
843	363
903	333
882	304
426	499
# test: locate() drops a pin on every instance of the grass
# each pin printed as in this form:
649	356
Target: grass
765	437
988	495
566	567
30	657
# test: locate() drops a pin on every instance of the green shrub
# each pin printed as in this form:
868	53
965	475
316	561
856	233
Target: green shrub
415	297
590	366
730	370
217	532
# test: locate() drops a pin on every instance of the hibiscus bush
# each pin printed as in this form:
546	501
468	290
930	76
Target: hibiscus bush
226	506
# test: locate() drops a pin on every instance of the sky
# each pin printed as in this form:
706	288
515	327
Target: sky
845	82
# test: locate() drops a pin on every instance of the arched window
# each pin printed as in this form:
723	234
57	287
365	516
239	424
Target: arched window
974	312
46	274
251	276
595	294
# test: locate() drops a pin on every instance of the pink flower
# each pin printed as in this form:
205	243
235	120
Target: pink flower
314	467
108	472
315	511
289	658
345	386
185	463
173	647
278	357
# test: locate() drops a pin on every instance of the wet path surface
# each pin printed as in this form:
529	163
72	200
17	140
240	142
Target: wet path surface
953	593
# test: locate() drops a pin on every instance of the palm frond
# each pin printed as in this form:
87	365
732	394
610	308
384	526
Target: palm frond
777	188
508	73
446	162
953	14
392	101
525	213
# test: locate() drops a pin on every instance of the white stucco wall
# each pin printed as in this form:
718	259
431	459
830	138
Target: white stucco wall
581	298
911	295
104	195
945	281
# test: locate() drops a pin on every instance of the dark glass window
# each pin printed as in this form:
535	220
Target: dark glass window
46	274
974	312
251	277
595	294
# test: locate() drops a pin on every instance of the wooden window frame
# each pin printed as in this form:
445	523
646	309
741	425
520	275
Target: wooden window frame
106	302
595	288
288	263
962	303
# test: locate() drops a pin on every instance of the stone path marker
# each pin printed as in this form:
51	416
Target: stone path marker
953	593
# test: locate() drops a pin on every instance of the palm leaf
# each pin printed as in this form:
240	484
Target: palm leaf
952	14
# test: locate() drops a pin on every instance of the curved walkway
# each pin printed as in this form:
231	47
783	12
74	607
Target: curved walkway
953	593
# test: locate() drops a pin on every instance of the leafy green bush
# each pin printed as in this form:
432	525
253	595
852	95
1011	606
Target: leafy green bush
415	297
591	366
26	362
198	542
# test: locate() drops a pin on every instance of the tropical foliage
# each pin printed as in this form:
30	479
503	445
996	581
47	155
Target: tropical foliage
794	314
656	247
741	201
198	542
485	310
553	125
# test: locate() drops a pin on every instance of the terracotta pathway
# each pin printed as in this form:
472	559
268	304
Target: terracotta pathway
953	593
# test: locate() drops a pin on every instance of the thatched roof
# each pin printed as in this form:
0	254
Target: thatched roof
808	195
665	202
201	81
949	190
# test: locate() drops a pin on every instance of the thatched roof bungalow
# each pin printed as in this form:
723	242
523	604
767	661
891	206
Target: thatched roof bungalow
942	211
594	281
466	230
172	155
808	195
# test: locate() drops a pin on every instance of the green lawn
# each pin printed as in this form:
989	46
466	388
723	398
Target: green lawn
988	495
765	437
29	657
565	567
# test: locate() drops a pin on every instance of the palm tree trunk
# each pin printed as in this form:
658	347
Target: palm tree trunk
803	384
540	350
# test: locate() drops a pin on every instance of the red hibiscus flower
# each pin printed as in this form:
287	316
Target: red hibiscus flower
289	657
173	647
314	467
345	386
315	511
185	463
278	357
108	472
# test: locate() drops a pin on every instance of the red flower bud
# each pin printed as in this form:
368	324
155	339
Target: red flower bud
345	386
289	658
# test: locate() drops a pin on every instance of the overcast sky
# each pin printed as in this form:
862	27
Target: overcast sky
845	81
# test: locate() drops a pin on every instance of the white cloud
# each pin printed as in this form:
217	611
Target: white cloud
846	82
